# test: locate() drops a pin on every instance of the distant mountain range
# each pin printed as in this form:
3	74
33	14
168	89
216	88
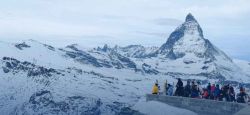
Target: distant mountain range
37	78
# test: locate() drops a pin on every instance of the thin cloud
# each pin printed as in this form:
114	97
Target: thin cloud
167	21
127	21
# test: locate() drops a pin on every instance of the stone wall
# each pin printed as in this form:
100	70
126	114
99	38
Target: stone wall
200	106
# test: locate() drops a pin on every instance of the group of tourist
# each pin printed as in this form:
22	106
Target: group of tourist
194	89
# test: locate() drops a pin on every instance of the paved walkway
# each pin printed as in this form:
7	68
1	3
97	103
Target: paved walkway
203	106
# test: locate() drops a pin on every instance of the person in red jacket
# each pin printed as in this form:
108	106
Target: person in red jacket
212	91
205	94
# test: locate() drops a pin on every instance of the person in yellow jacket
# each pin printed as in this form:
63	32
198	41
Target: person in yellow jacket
155	89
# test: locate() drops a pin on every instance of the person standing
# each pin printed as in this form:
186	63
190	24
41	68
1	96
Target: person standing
187	89
166	87
179	88
222	94
155	90
217	92
156	82
205	94
242	97
212	91
226	92
170	90
232	94
199	88
209	89
195	93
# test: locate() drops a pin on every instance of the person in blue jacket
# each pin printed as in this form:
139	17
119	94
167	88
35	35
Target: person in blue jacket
170	90
217	92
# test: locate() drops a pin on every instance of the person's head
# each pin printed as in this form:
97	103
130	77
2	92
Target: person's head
156	84
193	82
223	88
231	89
242	89
198	82
179	79
209	83
217	85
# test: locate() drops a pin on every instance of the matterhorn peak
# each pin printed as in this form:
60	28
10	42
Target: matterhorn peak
188	39
190	31
190	17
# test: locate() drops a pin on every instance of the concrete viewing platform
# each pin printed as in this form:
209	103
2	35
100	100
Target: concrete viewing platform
203	106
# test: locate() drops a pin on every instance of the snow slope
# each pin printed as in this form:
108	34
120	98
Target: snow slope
244	65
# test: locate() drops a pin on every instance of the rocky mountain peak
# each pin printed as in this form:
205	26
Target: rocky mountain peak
188	40
190	18
105	48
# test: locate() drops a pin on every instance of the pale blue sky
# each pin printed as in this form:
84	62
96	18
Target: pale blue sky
148	22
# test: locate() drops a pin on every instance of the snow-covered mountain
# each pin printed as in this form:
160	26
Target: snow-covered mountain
37	78
188	53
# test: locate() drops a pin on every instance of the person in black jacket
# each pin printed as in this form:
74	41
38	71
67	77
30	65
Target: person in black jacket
179	88
227	97
187	89
232	94
209	89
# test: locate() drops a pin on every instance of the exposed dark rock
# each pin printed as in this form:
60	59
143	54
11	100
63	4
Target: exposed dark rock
100	75
190	18
49	47
148	69
116	60
5	70
128	63
208	61
105	48
82	56
205	67
21	46
43	102
41	97
15	66
133	80
186	61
